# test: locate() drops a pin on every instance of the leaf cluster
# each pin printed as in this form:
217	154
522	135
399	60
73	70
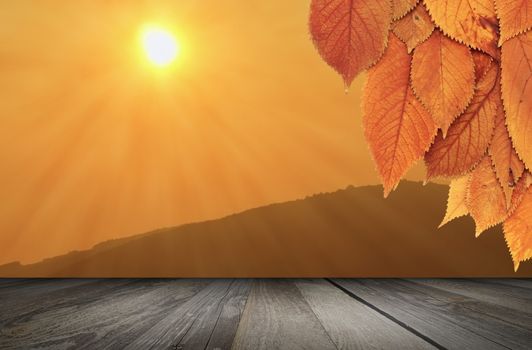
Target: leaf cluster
449	82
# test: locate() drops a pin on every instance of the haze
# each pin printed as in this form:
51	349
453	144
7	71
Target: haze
94	145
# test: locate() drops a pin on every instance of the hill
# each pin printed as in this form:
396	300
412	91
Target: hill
353	232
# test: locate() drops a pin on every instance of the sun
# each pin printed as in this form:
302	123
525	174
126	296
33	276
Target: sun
160	46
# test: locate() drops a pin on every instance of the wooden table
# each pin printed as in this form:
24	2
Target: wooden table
265	314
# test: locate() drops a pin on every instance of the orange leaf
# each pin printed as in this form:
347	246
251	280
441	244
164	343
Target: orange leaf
402	7
456	201
414	28
482	64
520	191
350	35
508	167
443	77
485	198
515	17
516	81
518	230
472	22
470	134
397	127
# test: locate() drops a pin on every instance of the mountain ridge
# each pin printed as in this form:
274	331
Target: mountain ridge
365	236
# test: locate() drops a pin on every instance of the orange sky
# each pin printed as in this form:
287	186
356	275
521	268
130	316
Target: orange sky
94	144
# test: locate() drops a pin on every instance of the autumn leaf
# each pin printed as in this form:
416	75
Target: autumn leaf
516	81
485	199
443	77
517	167
508	167
518	230
470	134
440	81
472	22
520	190
456	200
414	28
397	127
350	35
402	7
515	17
482	63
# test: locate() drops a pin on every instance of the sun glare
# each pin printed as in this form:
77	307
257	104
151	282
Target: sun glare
160	46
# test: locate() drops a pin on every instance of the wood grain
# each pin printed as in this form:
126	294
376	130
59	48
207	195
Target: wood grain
107	318
33	288
492	320
352	325
216	327
277	317
516	298
446	320
513	282
190	325
438	325
31	300
178	314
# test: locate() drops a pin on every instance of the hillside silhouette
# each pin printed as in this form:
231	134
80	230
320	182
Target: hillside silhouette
353	232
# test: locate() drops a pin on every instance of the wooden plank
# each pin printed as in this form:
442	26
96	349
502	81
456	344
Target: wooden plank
21	302
215	325
228	319
434	319
8	282
192	325
139	313
109	318
287	314
505	326
33	288
512	323
512	282
353	325
277	316
516	298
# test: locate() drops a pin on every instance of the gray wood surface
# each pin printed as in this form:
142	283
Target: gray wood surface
193	324
24	302
276	316
107	315
512	297
265	314
443	318
352	325
512	282
498	323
